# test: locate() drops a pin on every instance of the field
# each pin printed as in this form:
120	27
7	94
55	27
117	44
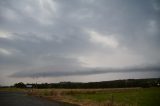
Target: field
13	90
103	97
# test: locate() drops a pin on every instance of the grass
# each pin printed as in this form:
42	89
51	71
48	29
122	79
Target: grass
135	97
13	90
104	97
100	97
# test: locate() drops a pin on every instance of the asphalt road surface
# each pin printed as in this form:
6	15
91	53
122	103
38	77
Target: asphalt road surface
21	99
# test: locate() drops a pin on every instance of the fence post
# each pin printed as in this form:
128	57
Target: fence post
112	100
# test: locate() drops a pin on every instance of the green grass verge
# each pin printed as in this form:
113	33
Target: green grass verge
12	90
100	97
135	97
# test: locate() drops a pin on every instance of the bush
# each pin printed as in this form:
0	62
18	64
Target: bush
20	85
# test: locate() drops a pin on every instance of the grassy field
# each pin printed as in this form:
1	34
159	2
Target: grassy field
13	90
104	97
138	97
100	97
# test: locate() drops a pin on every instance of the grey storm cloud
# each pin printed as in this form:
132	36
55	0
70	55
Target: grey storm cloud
75	37
37	74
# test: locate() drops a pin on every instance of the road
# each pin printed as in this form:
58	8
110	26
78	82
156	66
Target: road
21	99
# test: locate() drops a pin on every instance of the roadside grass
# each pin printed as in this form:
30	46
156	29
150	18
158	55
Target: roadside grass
12	90
98	97
104	97
138	97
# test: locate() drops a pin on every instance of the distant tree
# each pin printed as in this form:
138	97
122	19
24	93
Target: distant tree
20	85
153	82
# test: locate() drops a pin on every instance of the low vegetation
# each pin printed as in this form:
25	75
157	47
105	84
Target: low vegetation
11	89
103	97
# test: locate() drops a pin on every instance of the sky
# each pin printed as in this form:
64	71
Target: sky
78	40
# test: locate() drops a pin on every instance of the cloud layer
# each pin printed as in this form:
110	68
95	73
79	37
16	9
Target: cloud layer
90	71
76	37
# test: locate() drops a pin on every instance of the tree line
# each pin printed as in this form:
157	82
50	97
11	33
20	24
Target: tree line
154	82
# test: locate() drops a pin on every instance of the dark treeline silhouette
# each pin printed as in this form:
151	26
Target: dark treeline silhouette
20	85
154	82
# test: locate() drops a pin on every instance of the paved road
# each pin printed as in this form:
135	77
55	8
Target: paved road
21	99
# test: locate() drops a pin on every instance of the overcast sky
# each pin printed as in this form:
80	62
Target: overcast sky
78	40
